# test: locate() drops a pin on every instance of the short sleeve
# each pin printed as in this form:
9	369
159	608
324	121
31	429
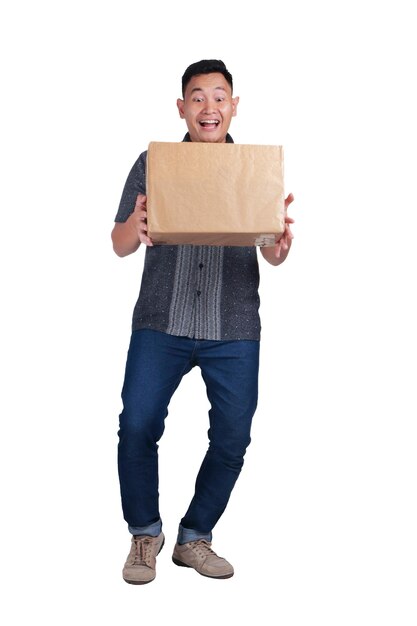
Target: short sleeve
135	184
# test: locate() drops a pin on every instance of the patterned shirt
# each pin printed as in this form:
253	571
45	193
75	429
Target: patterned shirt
202	292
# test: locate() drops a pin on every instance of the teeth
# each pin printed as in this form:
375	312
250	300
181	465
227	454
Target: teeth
209	122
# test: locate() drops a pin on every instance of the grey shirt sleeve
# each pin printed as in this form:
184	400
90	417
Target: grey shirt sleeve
135	184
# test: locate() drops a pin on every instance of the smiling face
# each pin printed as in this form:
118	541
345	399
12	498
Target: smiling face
208	107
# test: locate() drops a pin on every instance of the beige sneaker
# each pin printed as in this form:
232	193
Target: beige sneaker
199	555
140	565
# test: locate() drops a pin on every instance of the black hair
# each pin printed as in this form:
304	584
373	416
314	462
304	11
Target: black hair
206	67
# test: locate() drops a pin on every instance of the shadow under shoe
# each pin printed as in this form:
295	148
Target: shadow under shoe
140	566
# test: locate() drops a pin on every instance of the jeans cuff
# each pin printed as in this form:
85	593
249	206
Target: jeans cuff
153	530
187	534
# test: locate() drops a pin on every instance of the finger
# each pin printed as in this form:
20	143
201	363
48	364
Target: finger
279	245
146	240
288	200
140	200
289	232
289	220
283	244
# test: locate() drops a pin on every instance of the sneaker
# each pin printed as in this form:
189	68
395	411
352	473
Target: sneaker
140	565
199	555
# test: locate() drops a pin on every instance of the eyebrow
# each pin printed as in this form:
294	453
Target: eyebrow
200	89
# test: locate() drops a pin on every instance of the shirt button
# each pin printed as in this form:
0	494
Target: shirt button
199	293
201	266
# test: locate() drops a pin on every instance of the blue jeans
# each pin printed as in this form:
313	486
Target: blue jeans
156	363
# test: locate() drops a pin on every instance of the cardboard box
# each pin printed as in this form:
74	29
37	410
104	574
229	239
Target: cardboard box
215	194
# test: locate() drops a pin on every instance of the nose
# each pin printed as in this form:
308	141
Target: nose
210	106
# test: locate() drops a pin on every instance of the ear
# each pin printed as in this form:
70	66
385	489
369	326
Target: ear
235	102
180	105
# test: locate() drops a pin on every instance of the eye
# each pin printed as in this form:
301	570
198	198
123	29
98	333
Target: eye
219	99
197	99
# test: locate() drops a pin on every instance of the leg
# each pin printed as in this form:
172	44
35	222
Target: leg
156	363
230	371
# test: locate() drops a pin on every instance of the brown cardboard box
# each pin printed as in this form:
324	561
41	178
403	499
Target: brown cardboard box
215	194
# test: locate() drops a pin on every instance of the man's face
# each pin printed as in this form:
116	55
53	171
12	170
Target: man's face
208	107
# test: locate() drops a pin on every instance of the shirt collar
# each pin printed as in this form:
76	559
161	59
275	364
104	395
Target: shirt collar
228	138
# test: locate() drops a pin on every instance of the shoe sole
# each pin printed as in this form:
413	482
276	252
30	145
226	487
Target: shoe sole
143	582
181	564
136	582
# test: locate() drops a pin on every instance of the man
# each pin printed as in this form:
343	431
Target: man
198	306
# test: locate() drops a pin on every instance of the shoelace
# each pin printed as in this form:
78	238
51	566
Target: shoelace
202	547
142	553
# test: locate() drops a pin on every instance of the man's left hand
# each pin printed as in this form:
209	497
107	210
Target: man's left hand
282	246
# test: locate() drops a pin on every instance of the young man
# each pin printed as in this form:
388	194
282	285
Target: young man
197	306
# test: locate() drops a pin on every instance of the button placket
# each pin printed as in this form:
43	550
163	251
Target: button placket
198	301
199	281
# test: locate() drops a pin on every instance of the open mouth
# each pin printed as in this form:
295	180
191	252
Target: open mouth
209	124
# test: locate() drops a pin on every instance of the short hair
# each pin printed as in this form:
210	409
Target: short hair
211	66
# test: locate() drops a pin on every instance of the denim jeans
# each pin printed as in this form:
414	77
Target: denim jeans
156	363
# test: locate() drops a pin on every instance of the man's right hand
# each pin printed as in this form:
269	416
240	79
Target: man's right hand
139	216
127	236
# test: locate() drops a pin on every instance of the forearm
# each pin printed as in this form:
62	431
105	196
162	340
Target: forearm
125	237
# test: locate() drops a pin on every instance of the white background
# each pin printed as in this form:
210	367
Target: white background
321	525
